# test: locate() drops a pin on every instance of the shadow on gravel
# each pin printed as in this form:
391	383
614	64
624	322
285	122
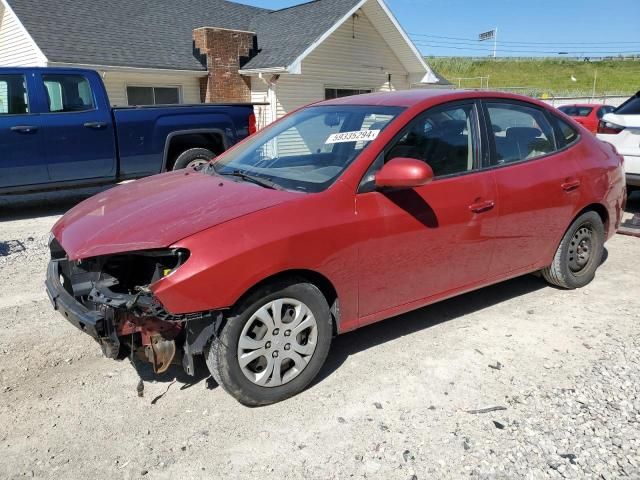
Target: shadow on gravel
350	343
21	207
176	374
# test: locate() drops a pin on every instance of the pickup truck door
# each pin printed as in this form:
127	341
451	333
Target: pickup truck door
21	160
77	126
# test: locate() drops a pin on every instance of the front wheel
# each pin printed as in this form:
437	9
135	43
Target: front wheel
579	254
273	345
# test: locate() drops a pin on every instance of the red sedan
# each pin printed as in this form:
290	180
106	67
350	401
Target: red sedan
587	114
340	215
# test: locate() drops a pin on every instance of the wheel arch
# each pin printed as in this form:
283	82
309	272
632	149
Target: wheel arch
313	277
177	142
600	209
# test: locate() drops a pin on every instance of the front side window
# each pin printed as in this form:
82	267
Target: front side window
68	93
153	96
308	150
519	132
13	95
442	137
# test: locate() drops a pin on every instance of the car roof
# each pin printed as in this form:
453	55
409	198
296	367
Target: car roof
409	98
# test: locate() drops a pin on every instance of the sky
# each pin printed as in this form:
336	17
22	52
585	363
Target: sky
580	28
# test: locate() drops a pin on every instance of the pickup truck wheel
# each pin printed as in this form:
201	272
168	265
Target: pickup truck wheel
273	344
194	158
579	254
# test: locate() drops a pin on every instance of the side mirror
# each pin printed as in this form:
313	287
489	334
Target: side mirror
404	173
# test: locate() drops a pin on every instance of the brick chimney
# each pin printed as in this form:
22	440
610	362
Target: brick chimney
225	51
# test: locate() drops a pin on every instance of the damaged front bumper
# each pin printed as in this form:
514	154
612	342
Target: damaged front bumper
126	324
96	323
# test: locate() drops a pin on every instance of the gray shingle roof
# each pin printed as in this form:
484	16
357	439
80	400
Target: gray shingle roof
158	33
283	35
131	33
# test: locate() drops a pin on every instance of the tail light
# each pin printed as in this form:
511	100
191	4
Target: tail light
253	125
609	128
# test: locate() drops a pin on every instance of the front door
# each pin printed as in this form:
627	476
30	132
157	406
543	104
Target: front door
426	241
537	180
79	136
21	137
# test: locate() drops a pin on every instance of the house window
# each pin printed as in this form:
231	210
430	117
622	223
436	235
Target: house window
331	93
153	95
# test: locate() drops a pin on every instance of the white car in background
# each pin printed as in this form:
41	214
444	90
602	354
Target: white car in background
621	128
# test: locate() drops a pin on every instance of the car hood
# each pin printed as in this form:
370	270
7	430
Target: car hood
157	212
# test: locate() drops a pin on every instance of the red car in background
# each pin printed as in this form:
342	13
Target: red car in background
587	114
341	214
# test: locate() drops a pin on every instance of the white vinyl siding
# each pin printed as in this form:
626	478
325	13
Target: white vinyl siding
17	48
116	83
342	61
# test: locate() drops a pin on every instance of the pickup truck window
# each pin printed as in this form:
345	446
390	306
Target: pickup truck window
68	93
13	95
153	95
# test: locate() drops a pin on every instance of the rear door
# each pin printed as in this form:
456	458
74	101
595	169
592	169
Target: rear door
537	180
78	130
21	136
425	241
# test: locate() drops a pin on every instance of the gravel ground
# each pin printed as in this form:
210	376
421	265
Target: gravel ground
403	399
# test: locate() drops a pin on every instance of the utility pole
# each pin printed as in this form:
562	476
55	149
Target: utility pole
595	79
495	42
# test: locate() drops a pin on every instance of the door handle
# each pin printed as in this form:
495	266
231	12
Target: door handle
571	185
95	125
24	129
481	207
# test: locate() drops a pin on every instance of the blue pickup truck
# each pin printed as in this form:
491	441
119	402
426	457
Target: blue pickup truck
58	130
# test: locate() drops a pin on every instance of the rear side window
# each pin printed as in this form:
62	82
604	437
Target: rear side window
575	111
68	93
520	132
630	107
565	133
13	95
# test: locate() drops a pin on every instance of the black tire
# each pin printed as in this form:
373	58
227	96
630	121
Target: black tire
191	156
222	353
570	268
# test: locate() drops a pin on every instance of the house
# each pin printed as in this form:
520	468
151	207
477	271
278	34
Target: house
192	51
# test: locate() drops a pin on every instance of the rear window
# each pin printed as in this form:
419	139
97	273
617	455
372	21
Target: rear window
630	107
574	111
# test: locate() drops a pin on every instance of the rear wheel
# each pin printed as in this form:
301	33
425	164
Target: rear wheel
273	345
579	254
195	158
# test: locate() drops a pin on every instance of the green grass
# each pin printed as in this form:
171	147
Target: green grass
545	76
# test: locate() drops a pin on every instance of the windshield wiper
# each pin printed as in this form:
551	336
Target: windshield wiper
263	182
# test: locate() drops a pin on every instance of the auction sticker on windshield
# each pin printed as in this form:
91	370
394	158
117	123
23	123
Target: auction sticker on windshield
362	135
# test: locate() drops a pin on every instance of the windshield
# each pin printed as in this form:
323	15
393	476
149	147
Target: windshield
308	150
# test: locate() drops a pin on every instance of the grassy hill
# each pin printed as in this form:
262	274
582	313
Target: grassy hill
543	76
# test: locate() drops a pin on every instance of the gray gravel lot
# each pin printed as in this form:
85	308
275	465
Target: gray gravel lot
397	400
